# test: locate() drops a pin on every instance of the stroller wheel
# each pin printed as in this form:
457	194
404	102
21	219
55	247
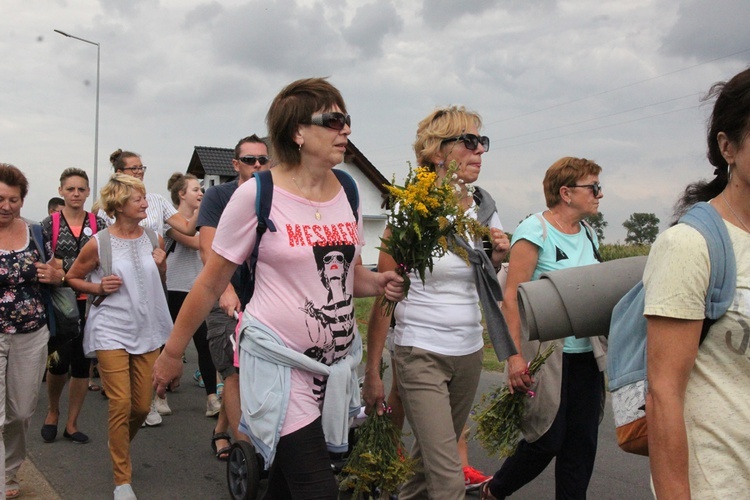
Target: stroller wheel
243	472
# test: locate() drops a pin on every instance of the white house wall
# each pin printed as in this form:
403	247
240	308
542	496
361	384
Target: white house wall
373	217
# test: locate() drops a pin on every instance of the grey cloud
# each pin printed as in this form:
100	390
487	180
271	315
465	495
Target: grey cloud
370	26
280	37
206	12
438	14
128	7
708	30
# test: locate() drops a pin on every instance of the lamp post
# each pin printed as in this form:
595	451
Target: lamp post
96	127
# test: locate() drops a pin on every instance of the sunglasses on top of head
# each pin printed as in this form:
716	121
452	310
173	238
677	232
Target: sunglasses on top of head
471	141
333	120
596	187
250	160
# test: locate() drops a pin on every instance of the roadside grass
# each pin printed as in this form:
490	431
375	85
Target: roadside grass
363	306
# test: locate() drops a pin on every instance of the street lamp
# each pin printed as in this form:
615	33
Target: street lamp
96	128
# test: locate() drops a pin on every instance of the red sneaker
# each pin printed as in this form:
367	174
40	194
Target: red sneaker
473	478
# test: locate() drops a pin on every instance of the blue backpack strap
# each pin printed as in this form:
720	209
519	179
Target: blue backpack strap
723	277
350	188
263	201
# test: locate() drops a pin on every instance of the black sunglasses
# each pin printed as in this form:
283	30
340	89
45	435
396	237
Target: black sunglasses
250	160
334	120
596	187
471	141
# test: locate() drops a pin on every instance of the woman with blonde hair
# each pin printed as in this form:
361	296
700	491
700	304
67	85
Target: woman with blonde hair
437	337
126	329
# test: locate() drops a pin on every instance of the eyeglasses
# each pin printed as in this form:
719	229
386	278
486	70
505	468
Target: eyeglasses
471	141
142	168
250	160
596	187
333	120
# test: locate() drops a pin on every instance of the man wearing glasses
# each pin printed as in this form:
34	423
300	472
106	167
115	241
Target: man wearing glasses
250	156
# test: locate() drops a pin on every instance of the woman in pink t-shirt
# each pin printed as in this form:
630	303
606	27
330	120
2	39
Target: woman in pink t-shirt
308	272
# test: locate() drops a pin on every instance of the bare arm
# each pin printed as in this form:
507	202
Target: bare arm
186	241
85	263
371	284
229	302
183	225
211	282
672	349
523	259
377	331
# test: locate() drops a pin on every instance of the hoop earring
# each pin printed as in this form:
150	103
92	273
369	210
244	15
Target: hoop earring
568	202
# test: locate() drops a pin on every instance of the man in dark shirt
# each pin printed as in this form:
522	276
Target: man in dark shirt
250	156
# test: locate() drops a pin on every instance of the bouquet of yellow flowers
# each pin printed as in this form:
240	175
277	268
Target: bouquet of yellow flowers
425	214
378	464
499	413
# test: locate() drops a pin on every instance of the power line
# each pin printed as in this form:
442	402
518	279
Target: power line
618	88
596	118
508	146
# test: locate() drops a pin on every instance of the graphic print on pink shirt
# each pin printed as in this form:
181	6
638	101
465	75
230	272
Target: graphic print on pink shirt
330	325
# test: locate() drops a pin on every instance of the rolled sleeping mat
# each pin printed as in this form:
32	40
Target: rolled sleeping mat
577	301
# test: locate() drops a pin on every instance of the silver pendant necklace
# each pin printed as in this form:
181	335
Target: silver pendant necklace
726	202
317	208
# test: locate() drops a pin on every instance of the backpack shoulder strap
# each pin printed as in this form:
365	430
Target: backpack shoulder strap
55	230
350	188
152	236
544	226
37	236
723	278
105	252
263	200
92	222
590	235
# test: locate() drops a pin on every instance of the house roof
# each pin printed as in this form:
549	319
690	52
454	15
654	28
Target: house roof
208	160
211	161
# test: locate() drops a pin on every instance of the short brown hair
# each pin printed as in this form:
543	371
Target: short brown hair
441	124
294	106
73	172
117	191
117	159
252	139
566	172
177	184
13	177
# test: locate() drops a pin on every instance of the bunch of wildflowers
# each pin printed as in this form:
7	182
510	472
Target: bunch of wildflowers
499	413
425	215
378	464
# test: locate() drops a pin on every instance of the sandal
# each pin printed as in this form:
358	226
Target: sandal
94	387
484	491
12	489
221	453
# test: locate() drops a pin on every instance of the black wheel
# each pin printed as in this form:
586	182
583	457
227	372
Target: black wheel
243	472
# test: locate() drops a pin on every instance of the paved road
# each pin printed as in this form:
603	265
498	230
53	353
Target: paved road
175	460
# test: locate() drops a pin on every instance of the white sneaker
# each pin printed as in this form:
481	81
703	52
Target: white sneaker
161	406
124	492
213	405
153	418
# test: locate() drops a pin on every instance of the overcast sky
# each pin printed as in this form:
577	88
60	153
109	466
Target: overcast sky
619	82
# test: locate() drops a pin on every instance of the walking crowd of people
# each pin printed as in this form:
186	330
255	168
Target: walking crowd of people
261	273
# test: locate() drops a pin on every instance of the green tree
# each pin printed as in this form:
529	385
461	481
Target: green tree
642	228
598	223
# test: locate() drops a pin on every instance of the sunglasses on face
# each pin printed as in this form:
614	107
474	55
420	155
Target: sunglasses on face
471	141
142	168
250	160
333	120
596	187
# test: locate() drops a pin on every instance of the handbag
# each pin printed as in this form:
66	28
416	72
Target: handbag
66	311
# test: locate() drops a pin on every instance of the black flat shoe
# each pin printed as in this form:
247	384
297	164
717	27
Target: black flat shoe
49	432
77	437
